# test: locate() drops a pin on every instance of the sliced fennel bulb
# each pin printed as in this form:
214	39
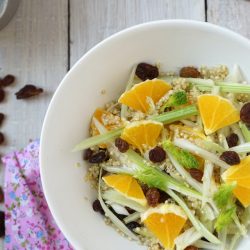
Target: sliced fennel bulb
187	238
119	224
187	145
112	196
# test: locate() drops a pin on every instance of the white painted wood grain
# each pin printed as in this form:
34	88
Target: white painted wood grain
92	21
33	47
233	14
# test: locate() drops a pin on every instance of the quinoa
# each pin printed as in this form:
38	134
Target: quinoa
218	73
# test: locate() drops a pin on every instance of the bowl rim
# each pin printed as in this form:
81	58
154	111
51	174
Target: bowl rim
173	22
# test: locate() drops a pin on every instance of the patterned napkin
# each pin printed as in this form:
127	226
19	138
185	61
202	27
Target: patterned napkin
28	221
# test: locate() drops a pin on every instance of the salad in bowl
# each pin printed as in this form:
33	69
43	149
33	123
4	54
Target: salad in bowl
169	158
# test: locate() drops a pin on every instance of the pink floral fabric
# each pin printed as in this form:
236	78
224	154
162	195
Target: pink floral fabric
28	221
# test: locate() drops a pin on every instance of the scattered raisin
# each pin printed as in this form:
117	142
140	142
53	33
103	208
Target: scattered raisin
121	144
230	157
1	195
2	95
1	118
98	157
1	138
132	225
245	113
144	188
2	224
7	80
232	140
97	207
130	210
157	154
87	154
153	197
146	71
197	174
163	196
28	91
190	72
191	248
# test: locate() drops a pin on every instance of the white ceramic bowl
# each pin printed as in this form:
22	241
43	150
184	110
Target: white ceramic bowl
106	67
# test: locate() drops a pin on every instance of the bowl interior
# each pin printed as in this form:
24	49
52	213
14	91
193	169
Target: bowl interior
107	67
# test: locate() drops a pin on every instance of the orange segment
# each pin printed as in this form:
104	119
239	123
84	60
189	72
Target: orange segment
136	97
126	185
142	134
243	195
100	114
166	222
216	112
241	174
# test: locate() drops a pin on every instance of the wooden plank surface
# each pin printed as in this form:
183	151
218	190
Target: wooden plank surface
33	47
92	21
233	14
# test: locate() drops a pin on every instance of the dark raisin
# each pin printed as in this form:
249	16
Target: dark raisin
153	197
1	118
7	80
97	207
163	196
232	140
144	188
2	95
157	154
130	210
230	157
2	224
132	225
190	72
191	248
1	138
98	157
28	91
197	174
245	113
119	216
121	144
87	153
1	195
146	71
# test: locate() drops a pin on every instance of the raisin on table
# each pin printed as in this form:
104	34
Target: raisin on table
7	80
28	91
2	95
1	118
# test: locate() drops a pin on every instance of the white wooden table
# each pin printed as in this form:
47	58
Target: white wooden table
46	37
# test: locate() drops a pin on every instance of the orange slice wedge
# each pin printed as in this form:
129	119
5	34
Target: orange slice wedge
126	185
142	134
166	222
100	115
216	112
136	97
241	174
